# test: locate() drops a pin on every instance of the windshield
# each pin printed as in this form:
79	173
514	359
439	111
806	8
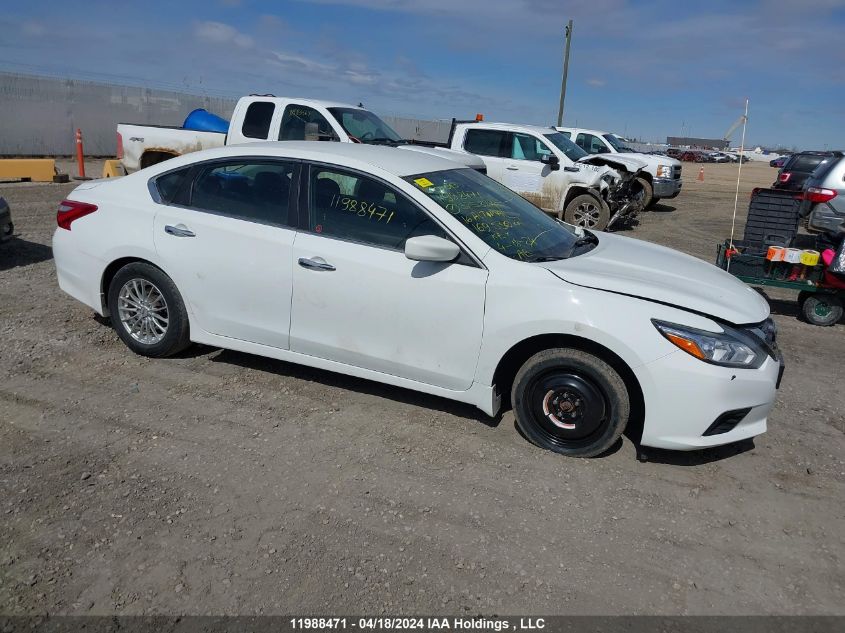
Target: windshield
570	149
616	142
364	125
506	222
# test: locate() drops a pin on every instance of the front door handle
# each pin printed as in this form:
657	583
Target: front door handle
315	263
512	167
179	230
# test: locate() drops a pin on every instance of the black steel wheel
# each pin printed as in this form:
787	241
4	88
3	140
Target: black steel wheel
570	402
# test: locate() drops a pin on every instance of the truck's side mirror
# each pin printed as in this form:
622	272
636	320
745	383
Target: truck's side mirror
551	160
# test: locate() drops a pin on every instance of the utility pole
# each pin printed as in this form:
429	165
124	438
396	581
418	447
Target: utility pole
565	73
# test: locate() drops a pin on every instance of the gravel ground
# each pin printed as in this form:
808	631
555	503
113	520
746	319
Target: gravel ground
221	483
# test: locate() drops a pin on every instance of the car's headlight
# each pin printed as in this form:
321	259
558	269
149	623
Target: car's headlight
730	348
664	171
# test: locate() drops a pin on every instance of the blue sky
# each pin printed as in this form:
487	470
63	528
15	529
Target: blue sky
647	68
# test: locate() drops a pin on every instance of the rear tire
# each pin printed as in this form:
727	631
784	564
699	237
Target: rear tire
587	211
821	309
147	311
570	402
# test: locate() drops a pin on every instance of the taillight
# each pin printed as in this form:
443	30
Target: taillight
818	194
70	210
119	145
784	176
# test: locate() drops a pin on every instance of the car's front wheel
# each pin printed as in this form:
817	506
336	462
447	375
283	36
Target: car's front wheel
571	402
147	311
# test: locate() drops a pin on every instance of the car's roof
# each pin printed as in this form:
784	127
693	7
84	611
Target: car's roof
583	129
305	101
394	160
497	125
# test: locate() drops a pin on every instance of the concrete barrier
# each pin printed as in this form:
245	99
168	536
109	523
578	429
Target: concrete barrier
34	169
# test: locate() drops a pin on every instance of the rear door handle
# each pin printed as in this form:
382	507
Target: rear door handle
179	231
315	263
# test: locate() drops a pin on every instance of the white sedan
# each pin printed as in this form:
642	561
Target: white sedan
408	269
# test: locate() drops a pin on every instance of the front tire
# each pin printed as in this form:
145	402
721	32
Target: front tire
587	211
570	402
147	311
648	193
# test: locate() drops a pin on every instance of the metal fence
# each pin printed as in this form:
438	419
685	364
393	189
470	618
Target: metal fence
39	115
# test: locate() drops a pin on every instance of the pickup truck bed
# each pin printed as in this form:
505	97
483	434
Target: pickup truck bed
140	146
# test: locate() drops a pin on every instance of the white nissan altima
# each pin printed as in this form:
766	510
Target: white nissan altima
407	269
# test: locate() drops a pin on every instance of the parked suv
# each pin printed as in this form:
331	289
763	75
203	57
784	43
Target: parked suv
6	226
824	196
800	167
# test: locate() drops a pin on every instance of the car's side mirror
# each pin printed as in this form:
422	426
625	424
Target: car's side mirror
551	160
430	248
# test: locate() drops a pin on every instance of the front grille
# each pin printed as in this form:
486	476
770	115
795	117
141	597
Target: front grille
676	172
726	422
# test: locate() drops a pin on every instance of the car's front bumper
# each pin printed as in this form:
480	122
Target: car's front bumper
684	397
666	187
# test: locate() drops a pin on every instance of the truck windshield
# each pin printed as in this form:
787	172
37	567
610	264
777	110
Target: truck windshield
365	126
617	143
569	149
506	222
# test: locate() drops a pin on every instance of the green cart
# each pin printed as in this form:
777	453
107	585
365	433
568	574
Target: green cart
820	304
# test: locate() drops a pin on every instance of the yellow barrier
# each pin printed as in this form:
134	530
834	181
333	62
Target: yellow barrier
35	169
112	169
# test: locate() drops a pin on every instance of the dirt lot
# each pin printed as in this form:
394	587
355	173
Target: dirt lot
219	482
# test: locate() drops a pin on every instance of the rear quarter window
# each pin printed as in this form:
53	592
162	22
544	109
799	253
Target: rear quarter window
805	164
257	119
170	184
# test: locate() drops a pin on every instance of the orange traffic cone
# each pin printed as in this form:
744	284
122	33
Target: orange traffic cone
701	174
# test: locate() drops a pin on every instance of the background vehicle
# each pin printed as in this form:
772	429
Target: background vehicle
780	161
6	226
798	169
719	157
267	118
548	169
403	268
824	197
661	177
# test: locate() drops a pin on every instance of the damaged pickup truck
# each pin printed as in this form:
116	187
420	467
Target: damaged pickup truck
543	166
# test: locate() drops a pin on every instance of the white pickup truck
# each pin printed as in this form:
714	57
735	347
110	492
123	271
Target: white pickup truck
660	179
268	118
543	166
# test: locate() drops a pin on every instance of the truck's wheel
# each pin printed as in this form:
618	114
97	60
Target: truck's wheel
821	308
648	192
570	402
587	211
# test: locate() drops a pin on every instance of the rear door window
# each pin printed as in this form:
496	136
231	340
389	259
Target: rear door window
487	143
295	122
257	119
253	190
805	163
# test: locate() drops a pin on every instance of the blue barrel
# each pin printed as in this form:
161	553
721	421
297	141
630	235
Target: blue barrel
202	120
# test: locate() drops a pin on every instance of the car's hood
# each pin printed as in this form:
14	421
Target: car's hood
468	160
628	162
648	271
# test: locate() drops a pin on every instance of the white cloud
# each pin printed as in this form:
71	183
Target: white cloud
219	33
596	83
